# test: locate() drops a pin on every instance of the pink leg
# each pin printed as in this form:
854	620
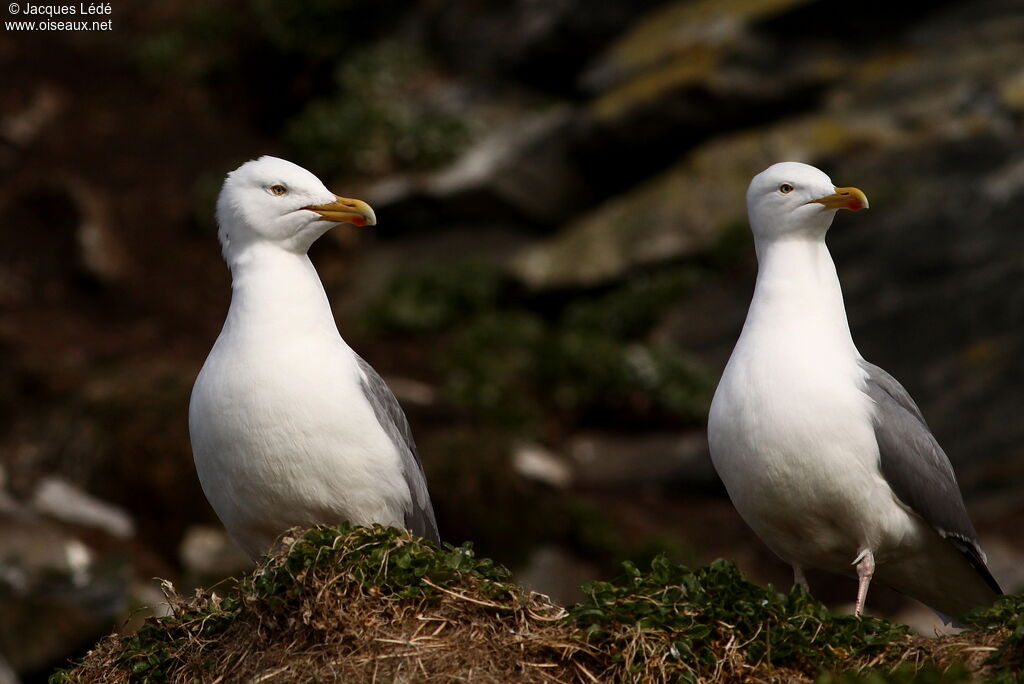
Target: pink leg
865	563
798	578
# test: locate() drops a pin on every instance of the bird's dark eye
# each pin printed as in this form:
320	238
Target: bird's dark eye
785	188
278	190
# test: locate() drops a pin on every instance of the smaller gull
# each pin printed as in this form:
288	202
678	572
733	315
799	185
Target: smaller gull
289	426
825	455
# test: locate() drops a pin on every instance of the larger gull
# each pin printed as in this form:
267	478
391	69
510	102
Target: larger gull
289	426
825	455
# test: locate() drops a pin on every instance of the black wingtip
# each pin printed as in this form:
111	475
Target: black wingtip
972	553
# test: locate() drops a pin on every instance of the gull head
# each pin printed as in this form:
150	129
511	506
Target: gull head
273	201
792	200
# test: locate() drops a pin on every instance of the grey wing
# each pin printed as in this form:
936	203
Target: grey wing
420	516
917	468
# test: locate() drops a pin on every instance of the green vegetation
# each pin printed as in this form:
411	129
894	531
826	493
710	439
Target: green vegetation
1008	659
593	534
485	500
385	559
387	108
386	564
202	43
434	300
632	308
381	117
324	30
358	603
902	674
686	624
510	365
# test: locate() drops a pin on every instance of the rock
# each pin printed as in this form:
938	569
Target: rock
679	34
534	462
521	173
59	499
7	674
409	391
149	596
21	128
938	86
686	210
101	253
921	620
556	573
659	460
56	594
687	71
542	43
53	251
209	554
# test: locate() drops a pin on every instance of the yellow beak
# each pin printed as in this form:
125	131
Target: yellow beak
845	198
345	210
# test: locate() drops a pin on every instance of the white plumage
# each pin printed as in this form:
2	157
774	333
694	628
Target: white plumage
288	425
824	455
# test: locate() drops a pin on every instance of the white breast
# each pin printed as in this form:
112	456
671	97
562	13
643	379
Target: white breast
791	434
282	434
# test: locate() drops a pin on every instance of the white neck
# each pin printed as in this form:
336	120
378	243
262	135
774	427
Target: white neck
277	292
798	291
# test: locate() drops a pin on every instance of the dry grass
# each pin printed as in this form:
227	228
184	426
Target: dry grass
377	605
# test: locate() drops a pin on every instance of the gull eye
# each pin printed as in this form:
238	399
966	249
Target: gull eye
278	190
785	188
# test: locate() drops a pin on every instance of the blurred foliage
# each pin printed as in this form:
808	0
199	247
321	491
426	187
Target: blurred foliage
490	368
691	621
734	243
592	533
383	116
203	200
436	299
510	516
902	674
203	42
1008	659
324	29
387	108
485	499
632	308
512	365
205	39
594	371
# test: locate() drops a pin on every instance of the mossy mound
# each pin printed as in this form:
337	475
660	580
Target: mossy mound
341	604
712	623
376	604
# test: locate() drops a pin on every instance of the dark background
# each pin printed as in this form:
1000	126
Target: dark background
560	268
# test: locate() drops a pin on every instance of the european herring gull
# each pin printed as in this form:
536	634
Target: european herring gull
289	426
824	454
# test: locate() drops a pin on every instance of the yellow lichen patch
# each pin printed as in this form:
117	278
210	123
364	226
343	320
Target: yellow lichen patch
1011	91
694	66
880	66
668	30
681	212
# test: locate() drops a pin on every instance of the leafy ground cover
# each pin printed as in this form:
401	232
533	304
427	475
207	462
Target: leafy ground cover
376	604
